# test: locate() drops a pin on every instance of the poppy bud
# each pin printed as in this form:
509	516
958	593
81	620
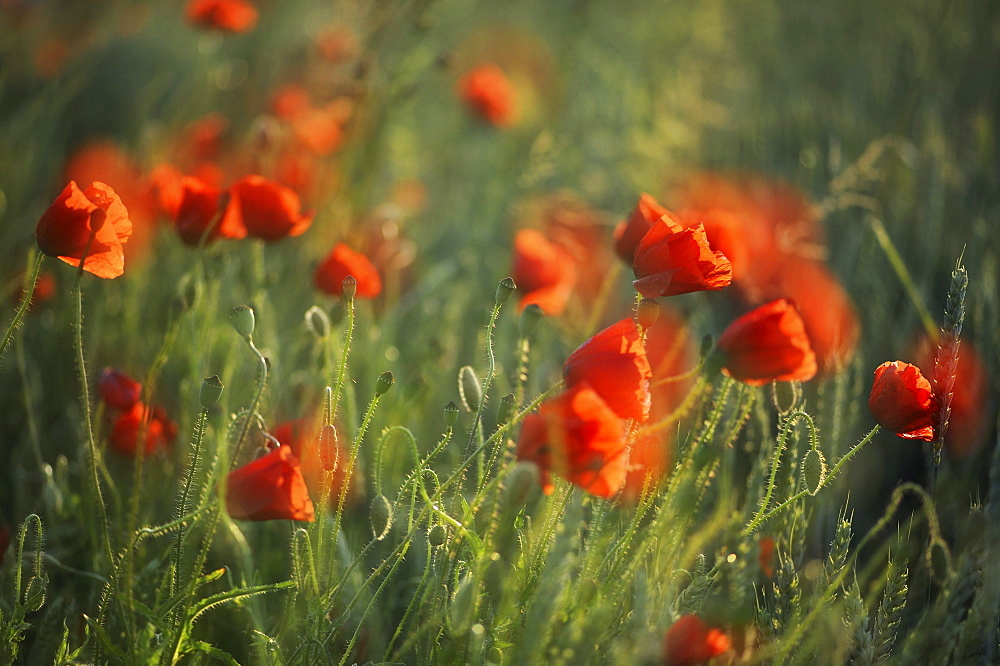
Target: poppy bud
469	389
504	290
813	470
211	391
437	535
506	409
317	322
349	286
519	481
34	594
649	311
380	515
531	317
462	605
329	452
384	383
242	319
450	414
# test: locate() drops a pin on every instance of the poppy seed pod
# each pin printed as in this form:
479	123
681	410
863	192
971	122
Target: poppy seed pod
243	320
531	317
384	383
504	290
450	414
349	287
211	391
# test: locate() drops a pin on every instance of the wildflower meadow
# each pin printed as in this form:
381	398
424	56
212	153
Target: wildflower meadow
452	332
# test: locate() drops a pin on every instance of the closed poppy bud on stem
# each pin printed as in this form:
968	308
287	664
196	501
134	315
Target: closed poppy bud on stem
318	322
329	450
243	320
901	400
506	409
211	391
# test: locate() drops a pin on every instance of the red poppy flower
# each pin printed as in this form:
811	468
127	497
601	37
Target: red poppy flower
691	641
903	401
630	231
118	390
726	233
487	91
225	15
613	362
768	344
91	221
319	130
967	422
648	459
269	488
671	260
160	430
341	262
202	208
543	271
107	162
301	436
576	435
261	208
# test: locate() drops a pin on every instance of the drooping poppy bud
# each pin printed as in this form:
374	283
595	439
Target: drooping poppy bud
672	260
269	488
118	390
343	262
92	222
630	231
487	92
614	363
768	344
226	15
902	401
690	640
576	435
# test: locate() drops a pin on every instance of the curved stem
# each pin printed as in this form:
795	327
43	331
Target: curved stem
261	382
342	369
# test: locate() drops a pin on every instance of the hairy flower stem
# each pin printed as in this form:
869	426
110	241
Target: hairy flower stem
25	303
184	502
779	448
342	369
482	401
261	382
761	519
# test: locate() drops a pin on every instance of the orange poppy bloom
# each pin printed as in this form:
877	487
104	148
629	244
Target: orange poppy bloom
967	422
488	93
691	641
118	390
671	260
203	208
576	435
225	15
768	344
269	488
630	231
261	208
160	430
341	262
726	233
543	271
903	401
92	222
613	362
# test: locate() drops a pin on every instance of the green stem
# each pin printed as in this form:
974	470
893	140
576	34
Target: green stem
25	303
896	261
261	382
342	369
